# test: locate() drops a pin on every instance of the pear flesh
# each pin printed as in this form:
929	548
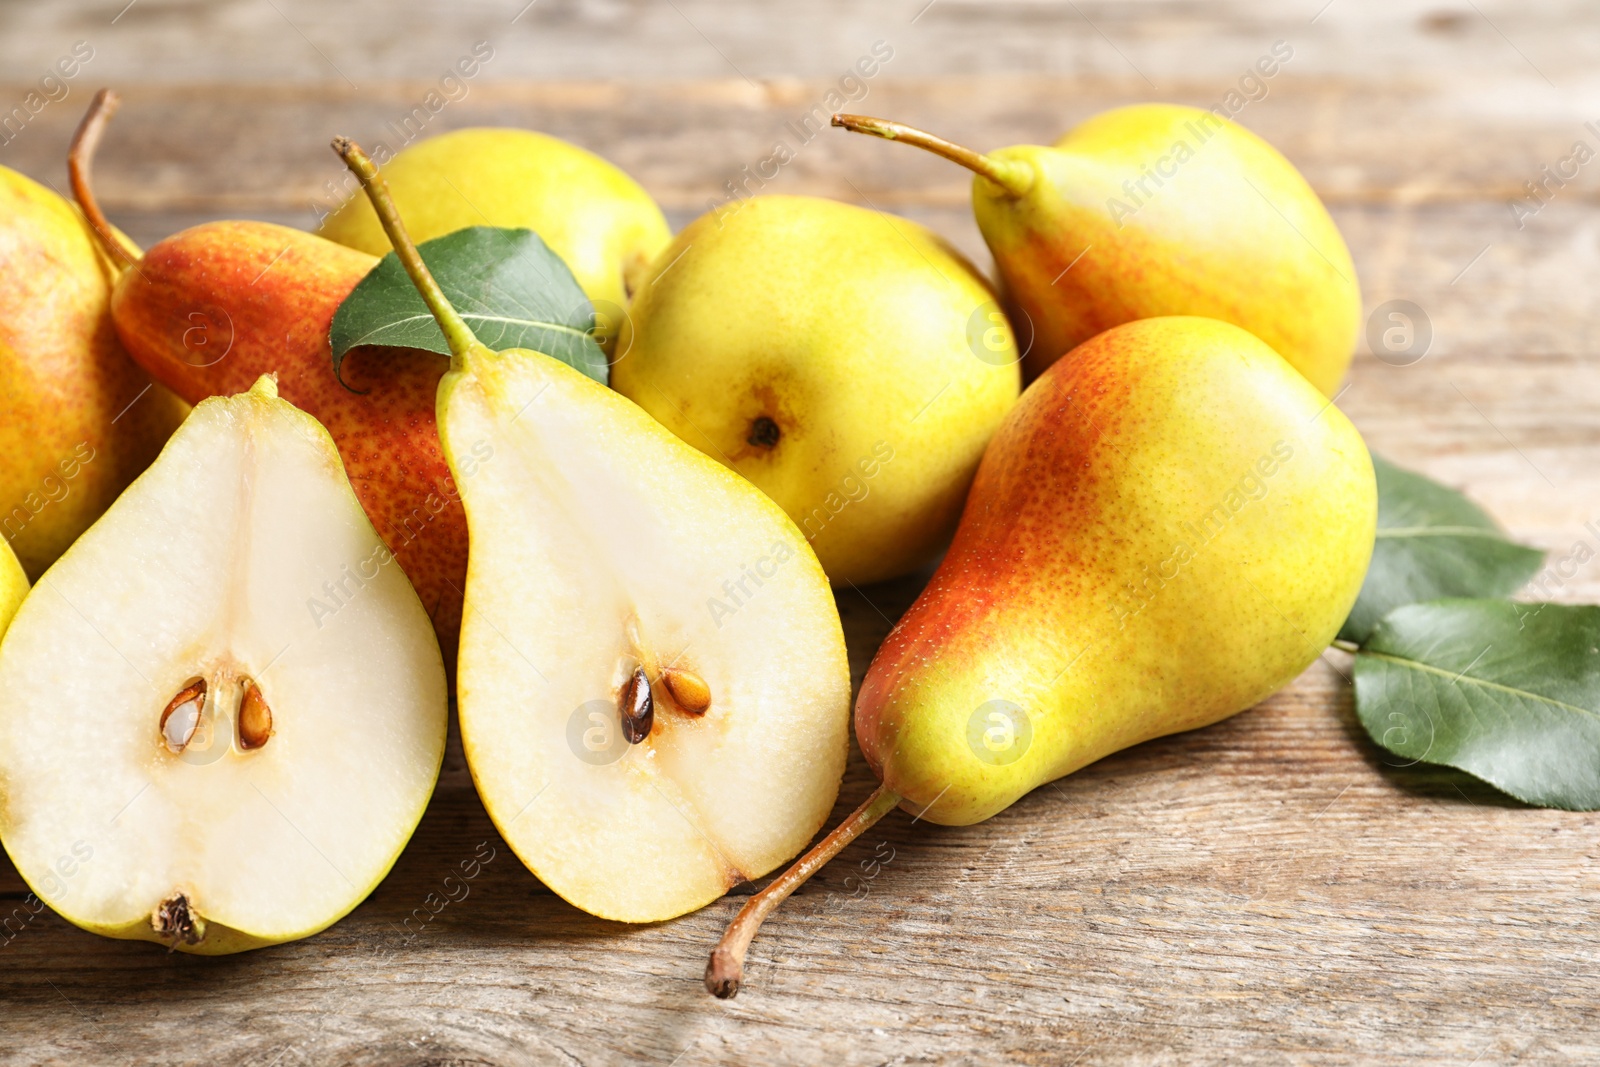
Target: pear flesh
266	805
602	547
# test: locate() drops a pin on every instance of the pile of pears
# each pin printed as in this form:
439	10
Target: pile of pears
224	700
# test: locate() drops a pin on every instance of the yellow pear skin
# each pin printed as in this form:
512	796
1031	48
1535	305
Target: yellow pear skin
597	219
1158	209
850	364
13	586
78	420
1169	527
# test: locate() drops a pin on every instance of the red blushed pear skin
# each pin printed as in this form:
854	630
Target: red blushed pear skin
209	310
1169	526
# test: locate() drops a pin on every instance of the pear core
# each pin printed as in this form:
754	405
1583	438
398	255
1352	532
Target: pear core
223	711
646	724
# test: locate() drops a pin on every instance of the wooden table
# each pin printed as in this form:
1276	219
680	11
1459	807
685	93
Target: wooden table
1269	890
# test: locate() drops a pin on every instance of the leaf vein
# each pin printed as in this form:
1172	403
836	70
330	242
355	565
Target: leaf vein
1480	682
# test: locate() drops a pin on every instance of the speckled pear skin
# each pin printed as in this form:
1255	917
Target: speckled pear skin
1169	527
1165	210
211	309
78	420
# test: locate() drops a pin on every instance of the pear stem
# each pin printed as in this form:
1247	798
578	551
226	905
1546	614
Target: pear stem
457	333
79	157
1015	178
725	969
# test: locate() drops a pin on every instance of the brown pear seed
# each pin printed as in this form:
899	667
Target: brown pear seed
255	718
688	689
182	717
175	919
638	710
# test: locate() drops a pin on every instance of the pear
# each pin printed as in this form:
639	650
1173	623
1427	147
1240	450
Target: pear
589	212
851	364
78	420
640	748
1169	527
1156	209
209	310
13	586
224	711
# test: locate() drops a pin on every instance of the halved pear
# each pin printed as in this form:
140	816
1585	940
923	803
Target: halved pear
223	711
653	688
652	683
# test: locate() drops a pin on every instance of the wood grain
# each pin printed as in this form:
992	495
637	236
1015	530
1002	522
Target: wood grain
1269	890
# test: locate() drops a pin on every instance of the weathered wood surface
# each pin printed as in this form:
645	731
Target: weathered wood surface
1268	890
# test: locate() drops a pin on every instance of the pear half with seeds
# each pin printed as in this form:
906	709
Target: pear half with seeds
652	684
223	710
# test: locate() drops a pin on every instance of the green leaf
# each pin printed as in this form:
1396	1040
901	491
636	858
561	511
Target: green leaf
1509	692
1432	543
512	290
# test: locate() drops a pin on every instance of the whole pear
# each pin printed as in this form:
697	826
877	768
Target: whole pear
851	364
1157	209
78	419
209	310
1169	526
590	213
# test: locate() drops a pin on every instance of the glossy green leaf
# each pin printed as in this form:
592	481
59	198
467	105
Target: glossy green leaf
1509	692
1432	543
511	289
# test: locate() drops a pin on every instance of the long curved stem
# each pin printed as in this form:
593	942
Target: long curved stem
725	969
79	157
1015	178
456	331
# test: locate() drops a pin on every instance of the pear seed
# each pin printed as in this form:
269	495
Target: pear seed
182	717
255	718
175	919
638	710
688	689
